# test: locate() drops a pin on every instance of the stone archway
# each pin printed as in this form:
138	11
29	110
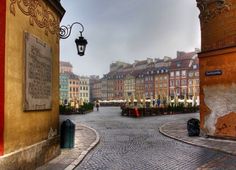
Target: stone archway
217	67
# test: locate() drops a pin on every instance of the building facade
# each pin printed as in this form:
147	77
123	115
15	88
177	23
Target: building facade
110	88
104	88
153	78
64	88
193	79
129	86
96	91
161	83
179	71
29	88
118	86
93	88
84	89
74	87
149	83
66	67
139	84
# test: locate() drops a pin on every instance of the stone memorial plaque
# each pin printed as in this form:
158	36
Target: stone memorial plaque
38	74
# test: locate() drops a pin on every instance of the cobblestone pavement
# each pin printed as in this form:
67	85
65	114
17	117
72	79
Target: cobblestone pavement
69	158
136	144
178	130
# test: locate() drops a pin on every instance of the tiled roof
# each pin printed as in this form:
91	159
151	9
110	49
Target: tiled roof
143	62
184	60
65	64
72	75
184	55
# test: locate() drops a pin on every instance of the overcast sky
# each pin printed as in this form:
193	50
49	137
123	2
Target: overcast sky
128	30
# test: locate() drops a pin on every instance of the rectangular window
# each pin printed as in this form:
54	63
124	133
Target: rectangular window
178	91
190	74
177	73
190	82
183	82
177	82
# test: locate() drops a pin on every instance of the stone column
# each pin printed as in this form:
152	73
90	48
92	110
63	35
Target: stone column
217	67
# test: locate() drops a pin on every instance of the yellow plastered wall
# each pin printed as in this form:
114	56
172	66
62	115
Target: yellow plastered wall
21	128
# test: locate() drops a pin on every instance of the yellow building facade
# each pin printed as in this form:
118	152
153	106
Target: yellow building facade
30	137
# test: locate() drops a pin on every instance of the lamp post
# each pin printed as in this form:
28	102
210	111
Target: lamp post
80	42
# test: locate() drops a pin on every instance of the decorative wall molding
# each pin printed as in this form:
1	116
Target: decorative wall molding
38	13
208	13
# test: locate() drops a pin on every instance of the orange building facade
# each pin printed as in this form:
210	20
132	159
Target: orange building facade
217	67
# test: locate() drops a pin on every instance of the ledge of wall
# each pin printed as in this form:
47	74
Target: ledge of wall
33	156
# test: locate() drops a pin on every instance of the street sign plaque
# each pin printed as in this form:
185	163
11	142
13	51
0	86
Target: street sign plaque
213	73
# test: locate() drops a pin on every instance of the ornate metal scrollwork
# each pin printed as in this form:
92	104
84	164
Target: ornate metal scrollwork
65	31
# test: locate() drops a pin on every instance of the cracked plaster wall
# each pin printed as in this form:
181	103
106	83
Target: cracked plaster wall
220	99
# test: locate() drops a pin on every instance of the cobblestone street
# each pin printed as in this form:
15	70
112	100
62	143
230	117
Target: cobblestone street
131	143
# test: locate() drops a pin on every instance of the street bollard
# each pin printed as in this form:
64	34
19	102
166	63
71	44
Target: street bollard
193	127
67	134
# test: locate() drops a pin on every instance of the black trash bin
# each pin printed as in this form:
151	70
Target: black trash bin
193	126
67	134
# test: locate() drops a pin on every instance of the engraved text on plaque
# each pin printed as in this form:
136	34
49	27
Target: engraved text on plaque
38	74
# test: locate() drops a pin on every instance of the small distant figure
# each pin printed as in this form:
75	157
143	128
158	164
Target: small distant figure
158	101
97	104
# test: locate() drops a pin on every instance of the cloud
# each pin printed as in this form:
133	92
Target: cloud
127	30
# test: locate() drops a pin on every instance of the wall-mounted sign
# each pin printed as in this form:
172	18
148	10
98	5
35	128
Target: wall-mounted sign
38	74
213	73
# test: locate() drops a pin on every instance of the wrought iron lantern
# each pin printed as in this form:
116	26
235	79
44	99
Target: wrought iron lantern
80	42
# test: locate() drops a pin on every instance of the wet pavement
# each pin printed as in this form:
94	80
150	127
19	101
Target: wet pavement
85	139
136	143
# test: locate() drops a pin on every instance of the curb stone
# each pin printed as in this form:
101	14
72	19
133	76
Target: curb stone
231	152
76	162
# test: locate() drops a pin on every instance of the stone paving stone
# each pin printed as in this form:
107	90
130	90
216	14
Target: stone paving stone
133	144
175	130
84	137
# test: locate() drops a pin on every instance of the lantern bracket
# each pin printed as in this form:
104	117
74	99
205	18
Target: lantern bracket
65	31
